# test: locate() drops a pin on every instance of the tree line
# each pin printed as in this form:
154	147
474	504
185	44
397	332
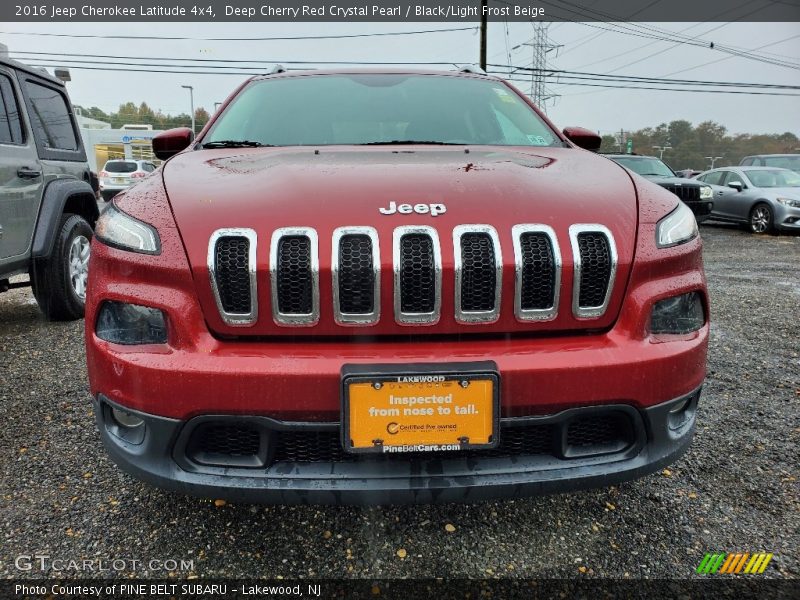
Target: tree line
689	145
129	113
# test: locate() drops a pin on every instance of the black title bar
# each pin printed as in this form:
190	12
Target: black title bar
349	11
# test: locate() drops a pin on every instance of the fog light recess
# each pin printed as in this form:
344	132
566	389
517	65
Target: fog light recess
679	314
130	324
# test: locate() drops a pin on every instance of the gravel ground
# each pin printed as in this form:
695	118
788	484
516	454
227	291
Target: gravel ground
736	489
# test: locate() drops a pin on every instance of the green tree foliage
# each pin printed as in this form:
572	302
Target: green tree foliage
131	114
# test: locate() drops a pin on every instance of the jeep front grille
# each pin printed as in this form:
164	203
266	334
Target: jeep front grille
294	274
537	260
687	193
232	269
417	274
478	273
595	257
356	275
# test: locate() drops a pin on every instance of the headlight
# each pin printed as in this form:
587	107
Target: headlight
130	324
117	229
677	227
789	202
679	314
706	192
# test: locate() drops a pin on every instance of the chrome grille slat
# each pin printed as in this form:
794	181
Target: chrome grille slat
595	258
232	270
294	275
537	270
417	262
361	280
478	273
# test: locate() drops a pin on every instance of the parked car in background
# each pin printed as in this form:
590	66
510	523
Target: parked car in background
48	205
687	173
764	198
696	196
780	161
119	174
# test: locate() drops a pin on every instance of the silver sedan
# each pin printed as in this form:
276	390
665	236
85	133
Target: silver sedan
766	199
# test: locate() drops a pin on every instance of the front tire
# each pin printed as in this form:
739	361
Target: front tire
761	219
59	282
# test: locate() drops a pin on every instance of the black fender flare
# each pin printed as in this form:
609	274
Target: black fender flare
57	195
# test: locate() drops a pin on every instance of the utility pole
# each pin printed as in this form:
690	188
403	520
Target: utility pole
191	102
540	47
484	27
661	151
621	139
713	160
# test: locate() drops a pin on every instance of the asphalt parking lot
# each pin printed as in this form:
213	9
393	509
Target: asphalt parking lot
737	490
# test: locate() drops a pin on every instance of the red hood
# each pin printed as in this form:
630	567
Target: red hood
268	188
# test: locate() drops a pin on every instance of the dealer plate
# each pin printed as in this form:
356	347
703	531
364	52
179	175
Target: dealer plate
420	412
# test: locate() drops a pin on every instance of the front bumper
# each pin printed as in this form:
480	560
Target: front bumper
787	218
162	456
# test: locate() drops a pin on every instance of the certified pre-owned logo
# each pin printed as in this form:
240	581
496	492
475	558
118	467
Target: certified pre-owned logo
393	428
433	210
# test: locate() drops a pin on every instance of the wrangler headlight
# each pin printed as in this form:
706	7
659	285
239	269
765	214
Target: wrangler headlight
120	230
706	192
677	227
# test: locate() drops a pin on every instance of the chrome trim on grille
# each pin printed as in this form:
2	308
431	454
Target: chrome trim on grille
292	319
409	318
477	316
357	318
235	319
587	312
535	314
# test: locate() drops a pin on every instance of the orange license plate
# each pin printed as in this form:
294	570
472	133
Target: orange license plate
426	412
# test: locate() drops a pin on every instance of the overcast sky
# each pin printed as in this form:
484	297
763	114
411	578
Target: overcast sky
583	48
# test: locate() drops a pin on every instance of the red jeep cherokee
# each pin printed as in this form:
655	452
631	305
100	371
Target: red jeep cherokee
381	287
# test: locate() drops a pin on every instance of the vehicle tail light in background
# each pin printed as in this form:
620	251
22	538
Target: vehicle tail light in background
137	175
103	174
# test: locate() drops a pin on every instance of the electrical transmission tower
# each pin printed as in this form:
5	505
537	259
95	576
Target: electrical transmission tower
540	45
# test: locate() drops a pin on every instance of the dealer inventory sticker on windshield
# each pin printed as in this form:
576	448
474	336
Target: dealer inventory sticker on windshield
425	413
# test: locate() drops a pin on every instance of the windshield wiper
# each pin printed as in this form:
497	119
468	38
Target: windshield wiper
410	143
655	175
235	144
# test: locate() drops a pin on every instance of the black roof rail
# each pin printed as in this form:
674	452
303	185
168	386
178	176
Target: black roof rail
475	69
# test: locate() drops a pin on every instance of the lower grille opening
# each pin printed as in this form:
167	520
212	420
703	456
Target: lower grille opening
243	444
598	434
232	445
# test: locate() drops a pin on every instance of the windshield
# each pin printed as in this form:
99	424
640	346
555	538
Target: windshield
783	162
773	178
645	166
120	166
380	109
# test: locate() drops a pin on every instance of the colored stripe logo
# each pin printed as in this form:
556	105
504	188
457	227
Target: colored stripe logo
734	563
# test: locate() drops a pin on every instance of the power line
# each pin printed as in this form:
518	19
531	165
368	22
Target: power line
631	87
644	79
242	39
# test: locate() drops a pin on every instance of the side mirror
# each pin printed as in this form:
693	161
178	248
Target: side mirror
583	138
172	141
737	185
